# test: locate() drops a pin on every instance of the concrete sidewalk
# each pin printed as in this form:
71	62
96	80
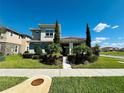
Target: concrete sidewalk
62	72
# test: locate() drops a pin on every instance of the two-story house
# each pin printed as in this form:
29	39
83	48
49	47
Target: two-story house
44	34
12	42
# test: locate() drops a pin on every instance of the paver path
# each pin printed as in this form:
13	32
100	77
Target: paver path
65	64
121	57
61	72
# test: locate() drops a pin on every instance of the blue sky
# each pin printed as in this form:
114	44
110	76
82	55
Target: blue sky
105	17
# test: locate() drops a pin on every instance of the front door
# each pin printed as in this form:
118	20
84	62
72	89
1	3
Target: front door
65	50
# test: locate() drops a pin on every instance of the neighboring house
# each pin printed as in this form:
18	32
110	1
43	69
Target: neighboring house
106	49
122	49
44	34
12	42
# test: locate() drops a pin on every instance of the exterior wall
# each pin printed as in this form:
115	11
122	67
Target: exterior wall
9	48
11	43
43	46
36	35
45	38
3	37
24	45
13	39
2	47
40	33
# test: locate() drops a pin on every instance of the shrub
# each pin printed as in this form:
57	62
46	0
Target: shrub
51	60
82	49
2	57
82	53
38	50
1	54
26	52
27	55
35	57
54	48
93	58
96	50
54	55
71	59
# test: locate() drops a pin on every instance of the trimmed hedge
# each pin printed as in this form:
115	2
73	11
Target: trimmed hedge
1	54
79	59
27	55
51	60
35	57
71	59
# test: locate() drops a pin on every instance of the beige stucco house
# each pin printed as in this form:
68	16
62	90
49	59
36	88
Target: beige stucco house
12	42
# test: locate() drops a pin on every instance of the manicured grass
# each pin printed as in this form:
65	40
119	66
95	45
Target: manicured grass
16	61
7	82
88	85
74	84
113	53
102	62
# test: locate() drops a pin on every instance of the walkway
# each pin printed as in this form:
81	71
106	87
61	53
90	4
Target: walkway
62	72
65	64
121	57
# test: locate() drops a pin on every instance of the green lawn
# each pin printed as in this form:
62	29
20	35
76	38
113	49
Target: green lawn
75	84
7	82
88	85
113	53
16	61
103	62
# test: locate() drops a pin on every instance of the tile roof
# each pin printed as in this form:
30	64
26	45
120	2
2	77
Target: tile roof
13	31
72	40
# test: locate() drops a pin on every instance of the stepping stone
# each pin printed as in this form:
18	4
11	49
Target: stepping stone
38	84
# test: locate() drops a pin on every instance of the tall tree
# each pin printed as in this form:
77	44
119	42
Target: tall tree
57	33
88	36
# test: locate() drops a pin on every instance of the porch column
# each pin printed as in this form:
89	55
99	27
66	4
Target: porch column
70	48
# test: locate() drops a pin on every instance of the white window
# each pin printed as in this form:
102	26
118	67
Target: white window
49	32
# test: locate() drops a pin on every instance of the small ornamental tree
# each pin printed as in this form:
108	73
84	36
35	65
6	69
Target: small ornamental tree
83	53
53	54
88	36
54	49
96	50
37	49
57	33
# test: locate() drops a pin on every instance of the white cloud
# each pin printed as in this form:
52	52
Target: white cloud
100	27
120	44
105	43
96	42
114	27
99	40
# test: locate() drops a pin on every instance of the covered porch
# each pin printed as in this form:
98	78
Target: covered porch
69	43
